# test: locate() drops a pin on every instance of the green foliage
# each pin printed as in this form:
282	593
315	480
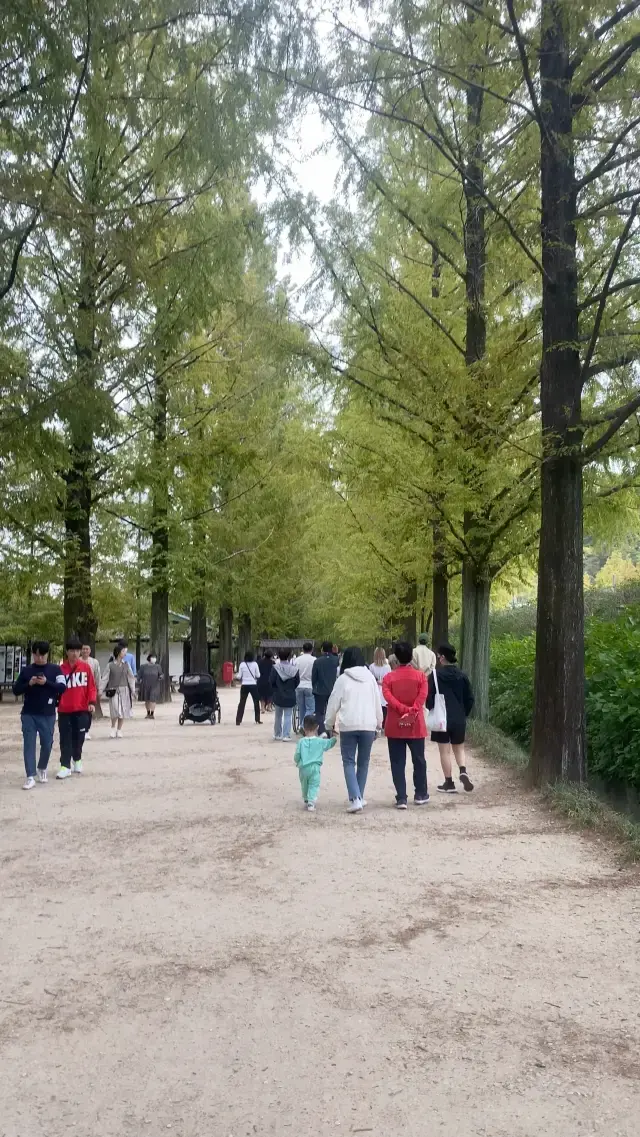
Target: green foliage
512	668
612	700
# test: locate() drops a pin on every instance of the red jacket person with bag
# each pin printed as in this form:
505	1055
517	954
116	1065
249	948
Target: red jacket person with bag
75	708
405	690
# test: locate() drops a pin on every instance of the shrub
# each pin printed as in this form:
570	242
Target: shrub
511	692
612	667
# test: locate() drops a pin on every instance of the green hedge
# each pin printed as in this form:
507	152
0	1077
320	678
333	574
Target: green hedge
599	604
612	666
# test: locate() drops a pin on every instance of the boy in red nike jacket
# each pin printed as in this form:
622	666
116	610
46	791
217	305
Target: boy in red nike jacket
75	709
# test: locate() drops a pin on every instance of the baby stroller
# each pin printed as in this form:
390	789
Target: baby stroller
201	702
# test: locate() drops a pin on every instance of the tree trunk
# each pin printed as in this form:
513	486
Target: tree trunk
409	619
79	617
558	743
440	587
474	635
225	653
199	645
245	640
160	534
476	589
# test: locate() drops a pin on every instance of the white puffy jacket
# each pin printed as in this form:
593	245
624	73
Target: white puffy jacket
355	700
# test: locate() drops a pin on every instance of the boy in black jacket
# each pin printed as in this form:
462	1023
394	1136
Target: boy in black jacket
41	683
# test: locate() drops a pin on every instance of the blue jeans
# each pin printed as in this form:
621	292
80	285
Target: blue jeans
306	703
354	742
282	722
32	726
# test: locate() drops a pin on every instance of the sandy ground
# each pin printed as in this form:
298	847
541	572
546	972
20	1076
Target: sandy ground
183	948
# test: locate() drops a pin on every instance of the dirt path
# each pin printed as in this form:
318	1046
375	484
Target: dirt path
184	949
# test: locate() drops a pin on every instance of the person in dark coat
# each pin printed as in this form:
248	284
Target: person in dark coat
458	697
323	677
150	681
265	692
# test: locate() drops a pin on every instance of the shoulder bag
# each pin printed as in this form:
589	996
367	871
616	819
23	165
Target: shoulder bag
437	716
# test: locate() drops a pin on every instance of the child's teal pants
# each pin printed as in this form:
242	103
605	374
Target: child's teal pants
309	781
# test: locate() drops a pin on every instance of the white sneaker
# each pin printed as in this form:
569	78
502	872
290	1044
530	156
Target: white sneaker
311	807
76	766
112	734
63	772
118	734
355	806
87	737
29	784
42	776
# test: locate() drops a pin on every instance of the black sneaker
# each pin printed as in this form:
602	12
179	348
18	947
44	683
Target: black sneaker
401	805
421	800
448	787
466	781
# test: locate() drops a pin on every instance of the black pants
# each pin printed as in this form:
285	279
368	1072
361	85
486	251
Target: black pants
73	727
398	759
245	691
321	710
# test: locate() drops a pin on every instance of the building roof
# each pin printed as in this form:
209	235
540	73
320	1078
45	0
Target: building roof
275	645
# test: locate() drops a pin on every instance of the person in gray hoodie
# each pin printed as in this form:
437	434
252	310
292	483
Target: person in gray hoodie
284	680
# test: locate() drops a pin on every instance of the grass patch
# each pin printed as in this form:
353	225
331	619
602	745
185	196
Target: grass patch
582	806
586	810
496	746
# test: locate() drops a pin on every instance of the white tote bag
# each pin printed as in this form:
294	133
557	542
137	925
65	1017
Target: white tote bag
437	717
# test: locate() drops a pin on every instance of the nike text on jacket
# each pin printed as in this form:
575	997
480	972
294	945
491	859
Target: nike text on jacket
80	687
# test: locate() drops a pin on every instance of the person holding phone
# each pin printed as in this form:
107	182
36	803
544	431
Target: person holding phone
41	683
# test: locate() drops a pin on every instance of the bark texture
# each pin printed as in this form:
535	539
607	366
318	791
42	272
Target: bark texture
558	743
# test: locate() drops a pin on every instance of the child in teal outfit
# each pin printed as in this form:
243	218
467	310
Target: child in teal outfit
308	758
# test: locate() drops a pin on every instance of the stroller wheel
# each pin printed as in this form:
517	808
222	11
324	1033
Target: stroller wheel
181	720
213	719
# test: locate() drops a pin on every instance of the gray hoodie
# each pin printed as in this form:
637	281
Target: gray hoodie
284	680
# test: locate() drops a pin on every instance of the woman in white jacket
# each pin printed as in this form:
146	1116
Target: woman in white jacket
356	700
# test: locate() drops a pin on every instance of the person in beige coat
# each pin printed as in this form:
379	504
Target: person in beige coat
86	655
423	659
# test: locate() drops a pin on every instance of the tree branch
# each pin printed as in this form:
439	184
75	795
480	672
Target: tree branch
605	291
616	418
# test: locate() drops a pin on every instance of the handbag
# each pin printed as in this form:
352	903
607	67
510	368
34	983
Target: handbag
437	716
111	692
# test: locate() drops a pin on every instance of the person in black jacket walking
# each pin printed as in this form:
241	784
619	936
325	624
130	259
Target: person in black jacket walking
42	683
284	680
323	678
458	697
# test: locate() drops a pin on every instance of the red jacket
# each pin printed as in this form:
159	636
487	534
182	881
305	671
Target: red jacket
81	687
405	690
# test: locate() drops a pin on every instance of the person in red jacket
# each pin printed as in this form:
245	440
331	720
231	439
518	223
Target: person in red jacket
405	690
75	708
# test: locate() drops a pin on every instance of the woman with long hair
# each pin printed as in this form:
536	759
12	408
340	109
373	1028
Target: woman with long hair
355	699
248	674
119	685
265	691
